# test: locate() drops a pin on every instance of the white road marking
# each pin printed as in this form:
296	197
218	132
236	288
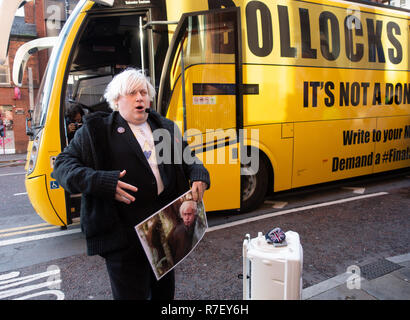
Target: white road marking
12	174
59	295
10	281
20	194
277	204
273	214
356	189
38	237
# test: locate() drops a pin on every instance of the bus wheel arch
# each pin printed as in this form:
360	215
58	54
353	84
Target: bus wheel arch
255	185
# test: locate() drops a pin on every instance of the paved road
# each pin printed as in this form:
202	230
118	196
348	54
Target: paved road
337	227
333	238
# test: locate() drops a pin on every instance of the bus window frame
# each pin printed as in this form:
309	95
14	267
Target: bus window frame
96	12
170	57
77	86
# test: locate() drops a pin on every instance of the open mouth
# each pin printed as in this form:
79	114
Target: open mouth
140	108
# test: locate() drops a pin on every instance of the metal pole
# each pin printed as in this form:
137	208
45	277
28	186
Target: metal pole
67	8
183	85
151	23
4	136
30	88
142	47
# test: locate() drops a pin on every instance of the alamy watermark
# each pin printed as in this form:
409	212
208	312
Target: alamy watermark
53	21
354	280
219	146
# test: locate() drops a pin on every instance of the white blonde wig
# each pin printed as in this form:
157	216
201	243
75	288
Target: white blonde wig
124	84
186	205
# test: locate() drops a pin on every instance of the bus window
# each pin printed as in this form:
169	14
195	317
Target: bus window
89	90
86	90
39	104
203	96
209	57
107	45
110	41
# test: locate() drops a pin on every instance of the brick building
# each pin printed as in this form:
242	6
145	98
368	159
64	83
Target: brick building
14	101
41	18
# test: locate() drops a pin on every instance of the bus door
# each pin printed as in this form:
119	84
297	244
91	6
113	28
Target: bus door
108	43
205	99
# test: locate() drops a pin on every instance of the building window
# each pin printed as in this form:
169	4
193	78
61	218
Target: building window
4	74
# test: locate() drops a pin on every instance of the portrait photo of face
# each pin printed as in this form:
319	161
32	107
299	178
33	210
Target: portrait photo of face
172	233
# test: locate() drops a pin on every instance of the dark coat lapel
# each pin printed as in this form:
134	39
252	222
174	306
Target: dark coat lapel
129	137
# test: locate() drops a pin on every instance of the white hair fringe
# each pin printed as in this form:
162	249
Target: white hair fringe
124	83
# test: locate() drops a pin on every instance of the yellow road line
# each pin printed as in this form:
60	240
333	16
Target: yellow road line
30	230
26	231
25	227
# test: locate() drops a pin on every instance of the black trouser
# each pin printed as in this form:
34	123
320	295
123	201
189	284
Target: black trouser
132	278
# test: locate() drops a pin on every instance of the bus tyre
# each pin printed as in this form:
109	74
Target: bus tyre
254	185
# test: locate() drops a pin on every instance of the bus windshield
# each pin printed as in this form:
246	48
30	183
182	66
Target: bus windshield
39	104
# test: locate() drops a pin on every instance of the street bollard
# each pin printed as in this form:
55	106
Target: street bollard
272	272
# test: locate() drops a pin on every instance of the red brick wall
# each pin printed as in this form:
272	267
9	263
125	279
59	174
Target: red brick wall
32	63
19	120
34	14
7	96
7	99
41	32
29	12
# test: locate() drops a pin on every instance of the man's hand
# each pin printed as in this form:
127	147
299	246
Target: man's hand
120	194
198	189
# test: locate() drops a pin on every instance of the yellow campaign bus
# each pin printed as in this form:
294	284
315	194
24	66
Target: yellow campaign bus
271	95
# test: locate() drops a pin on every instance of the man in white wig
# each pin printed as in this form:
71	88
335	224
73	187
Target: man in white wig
112	161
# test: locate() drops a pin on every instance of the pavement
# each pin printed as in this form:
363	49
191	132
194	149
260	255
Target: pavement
7	160
382	279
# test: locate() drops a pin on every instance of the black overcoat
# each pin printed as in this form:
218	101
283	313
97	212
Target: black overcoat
92	162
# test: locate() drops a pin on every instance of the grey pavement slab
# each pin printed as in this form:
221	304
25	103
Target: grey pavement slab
394	285
387	287
403	274
341	292
403	259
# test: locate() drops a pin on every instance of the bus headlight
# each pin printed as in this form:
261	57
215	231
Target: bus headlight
34	153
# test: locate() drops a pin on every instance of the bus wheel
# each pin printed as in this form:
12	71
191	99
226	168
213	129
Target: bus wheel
254	185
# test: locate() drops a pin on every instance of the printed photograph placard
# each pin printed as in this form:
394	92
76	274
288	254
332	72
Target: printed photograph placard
172	233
